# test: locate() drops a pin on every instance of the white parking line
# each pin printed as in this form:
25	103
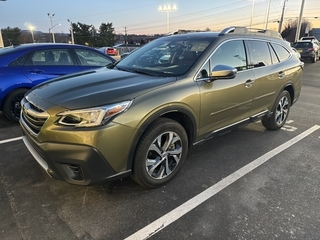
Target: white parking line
10	140
178	212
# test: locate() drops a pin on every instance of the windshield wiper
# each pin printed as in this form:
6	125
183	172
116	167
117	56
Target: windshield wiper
111	65
145	72
114	65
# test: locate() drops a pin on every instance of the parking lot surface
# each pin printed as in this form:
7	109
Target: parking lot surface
248	184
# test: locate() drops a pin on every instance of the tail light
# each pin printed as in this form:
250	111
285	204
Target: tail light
310	49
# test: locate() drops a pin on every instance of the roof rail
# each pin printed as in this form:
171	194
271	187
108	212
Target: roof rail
182	31
245	30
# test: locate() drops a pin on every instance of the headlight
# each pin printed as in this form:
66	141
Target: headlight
92	117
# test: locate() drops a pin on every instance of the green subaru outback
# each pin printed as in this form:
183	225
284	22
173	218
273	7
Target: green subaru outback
138	117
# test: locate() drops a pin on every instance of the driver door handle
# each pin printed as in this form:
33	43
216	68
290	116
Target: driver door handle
249	83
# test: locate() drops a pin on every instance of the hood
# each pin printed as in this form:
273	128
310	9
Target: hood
96	87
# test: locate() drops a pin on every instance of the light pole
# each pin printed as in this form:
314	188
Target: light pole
51	30
51	16
71	29
31	30
1	40
168	8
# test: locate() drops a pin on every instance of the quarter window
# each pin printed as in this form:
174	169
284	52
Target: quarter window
281	52
259	53
273	55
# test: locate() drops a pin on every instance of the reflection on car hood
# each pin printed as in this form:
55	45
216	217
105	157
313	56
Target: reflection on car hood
96	88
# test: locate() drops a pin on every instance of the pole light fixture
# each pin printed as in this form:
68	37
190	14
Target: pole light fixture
168	8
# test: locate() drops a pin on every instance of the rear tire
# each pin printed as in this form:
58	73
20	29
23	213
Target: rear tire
12	104
160	153
280	112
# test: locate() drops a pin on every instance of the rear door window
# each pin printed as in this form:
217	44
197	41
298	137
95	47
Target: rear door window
259	53
50	57
89	58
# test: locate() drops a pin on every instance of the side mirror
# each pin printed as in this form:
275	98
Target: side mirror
223	72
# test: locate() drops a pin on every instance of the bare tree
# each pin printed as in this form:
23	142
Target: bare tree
290	29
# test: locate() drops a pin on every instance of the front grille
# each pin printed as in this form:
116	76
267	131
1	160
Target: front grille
32	116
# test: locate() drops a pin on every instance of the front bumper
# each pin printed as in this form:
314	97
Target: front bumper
75	164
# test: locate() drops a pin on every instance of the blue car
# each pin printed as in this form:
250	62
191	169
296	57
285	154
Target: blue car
24	66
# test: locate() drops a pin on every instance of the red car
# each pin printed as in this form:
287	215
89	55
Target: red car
109	51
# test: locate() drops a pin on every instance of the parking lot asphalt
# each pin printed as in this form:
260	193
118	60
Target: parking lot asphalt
248	184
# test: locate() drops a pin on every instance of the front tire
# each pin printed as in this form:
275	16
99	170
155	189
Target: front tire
12	105
280	112
160	153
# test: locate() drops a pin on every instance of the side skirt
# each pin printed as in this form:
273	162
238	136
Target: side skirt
234	126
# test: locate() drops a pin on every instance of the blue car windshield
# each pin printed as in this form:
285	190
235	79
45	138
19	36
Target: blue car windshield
165	57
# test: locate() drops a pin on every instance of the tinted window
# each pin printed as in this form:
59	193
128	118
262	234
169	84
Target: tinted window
231	53
259	53
281	52
50	57
90	58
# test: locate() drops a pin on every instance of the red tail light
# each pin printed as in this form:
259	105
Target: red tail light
310	49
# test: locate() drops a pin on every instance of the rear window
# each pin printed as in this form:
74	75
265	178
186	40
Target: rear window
303	45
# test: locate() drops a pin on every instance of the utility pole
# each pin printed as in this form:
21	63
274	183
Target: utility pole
299	22
281	20
267	14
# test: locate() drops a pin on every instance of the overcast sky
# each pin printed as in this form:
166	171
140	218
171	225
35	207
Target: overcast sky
143	16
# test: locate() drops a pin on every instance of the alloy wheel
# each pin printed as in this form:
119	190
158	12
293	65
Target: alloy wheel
282	110
164	155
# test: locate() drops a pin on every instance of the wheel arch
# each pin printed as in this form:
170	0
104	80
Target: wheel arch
6	92
290	89
179	114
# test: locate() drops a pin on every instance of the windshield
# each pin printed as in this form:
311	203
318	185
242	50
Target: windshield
165	56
